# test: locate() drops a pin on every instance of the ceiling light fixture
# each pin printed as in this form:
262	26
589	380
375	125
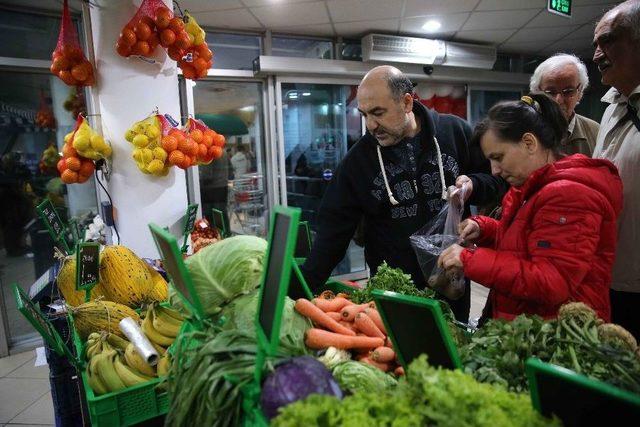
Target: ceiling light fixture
306	93
431	25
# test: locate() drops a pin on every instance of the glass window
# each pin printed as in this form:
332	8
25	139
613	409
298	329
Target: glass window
321	122
302	48
28	36
233	51
351	50
234	183
33	121
483	100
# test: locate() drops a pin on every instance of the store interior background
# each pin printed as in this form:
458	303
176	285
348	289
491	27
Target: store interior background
319	116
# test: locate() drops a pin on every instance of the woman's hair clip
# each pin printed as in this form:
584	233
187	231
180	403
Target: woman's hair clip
531	102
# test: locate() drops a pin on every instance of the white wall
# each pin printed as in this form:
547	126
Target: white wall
128	90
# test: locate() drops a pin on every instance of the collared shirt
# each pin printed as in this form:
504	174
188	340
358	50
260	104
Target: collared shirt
581	136
619	141
572	124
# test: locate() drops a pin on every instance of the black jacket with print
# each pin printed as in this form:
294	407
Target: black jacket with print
357	190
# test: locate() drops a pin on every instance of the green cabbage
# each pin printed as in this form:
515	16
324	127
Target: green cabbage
224	270
240	315
355	376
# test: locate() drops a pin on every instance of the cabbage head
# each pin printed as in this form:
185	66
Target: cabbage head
224	270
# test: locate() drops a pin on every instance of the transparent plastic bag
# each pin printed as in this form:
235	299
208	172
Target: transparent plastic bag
432	239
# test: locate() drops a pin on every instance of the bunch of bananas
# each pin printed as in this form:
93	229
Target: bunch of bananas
114	363
161	325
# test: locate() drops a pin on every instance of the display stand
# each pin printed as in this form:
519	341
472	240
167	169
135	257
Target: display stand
220	223
189	221
303	242
416	326
57	229
578	400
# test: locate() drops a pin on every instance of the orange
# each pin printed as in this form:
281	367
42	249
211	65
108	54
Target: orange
66	77
200	65
148	21
193	147
163	17
73	163
204	52
83	178
187	70
141	48
169	143
215	152
176	25
60	63
153	41
184	146
218	140
176	158
81	71
142	30
62	165
122	48
182	40
87	167
175	53
71	52
196	135
128	36
69	176
187	162
202	151
207	140
68	151
167	37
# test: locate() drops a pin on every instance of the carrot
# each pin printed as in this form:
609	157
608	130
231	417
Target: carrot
326	295
335	304
335	316
343	295
383	355
399	371
382	366
349	312
364	324
375	316
348	325
319	317
317	339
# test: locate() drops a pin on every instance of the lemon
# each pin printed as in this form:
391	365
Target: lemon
152	132
129	135
106	151
147	155
137	155
155	166
159	154
140	141
81	142
97	142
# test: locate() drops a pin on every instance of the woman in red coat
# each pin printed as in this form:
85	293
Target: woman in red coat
556	239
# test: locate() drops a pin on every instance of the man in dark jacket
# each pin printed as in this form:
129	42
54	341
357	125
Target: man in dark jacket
395	177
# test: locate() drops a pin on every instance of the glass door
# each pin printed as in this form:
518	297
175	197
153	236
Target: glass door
236	182
320	122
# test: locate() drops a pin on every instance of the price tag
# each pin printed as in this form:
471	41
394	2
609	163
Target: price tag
190	220
54	224
218	222
87	266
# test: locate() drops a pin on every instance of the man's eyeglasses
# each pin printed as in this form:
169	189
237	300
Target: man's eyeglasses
566	93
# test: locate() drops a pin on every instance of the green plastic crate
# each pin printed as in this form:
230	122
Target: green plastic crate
126	407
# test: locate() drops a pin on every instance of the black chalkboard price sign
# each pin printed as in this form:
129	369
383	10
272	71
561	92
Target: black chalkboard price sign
54	224
87	266
189	221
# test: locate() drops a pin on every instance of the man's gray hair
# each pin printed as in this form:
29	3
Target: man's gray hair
628	17
399	84
554	63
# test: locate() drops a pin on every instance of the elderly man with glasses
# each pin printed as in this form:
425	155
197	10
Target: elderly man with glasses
564	78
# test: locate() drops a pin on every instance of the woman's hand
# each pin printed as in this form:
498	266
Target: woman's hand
450	257
469	230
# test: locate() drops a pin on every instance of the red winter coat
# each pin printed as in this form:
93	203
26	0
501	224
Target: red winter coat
555	242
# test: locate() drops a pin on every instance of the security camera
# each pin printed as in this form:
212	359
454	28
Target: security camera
428	70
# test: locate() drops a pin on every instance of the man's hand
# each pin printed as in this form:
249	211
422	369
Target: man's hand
462	190
469	230
450	257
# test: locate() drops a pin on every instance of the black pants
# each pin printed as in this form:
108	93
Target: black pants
624	310
461	307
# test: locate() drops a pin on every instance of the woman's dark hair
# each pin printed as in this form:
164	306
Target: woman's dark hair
512	119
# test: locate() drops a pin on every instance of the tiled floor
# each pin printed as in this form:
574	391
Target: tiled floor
25	394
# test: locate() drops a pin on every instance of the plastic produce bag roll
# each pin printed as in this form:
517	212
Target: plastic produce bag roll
143	346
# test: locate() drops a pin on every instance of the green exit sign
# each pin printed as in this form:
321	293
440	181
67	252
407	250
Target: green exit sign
560	7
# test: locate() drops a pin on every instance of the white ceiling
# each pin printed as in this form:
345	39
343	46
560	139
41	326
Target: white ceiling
518	26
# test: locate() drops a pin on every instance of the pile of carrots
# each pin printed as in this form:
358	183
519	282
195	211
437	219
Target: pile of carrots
342	324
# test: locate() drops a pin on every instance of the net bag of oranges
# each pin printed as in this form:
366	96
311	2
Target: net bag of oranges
153	24
196	60
73	167
68	60
210	144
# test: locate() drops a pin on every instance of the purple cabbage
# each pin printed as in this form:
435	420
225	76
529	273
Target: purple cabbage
294	380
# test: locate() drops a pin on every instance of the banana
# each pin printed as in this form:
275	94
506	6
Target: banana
136	361
173	313
107	372
169	314
152	333
94	349
117	342
165	324
163	365
128	376
94	379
